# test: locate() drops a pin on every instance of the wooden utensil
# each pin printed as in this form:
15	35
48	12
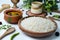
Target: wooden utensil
15	3
8	31
43	14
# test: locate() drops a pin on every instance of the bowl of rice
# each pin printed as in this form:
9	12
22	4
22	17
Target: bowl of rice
37	26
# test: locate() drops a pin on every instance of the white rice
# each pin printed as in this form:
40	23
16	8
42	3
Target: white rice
38	24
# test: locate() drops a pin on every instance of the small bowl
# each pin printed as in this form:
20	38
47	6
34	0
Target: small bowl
12	19
36	34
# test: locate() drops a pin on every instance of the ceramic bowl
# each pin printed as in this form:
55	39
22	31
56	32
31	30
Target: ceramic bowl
12	19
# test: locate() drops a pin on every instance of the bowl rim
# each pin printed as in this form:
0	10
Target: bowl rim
25	30
7	10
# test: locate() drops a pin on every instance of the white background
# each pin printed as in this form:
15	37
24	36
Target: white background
22	36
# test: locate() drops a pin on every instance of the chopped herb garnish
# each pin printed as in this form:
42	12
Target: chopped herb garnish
4	27
56	16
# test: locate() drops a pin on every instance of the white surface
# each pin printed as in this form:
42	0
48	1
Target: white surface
22	36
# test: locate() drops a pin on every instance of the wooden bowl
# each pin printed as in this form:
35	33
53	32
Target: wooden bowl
43	14
36	34
12	19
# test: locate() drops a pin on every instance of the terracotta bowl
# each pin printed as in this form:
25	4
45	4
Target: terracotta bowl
12	19
36	34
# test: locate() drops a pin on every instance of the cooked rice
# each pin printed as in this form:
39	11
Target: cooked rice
38	24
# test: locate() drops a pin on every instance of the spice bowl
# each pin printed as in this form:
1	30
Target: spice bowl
12	15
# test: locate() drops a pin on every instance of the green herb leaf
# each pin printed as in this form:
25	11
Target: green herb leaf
4	27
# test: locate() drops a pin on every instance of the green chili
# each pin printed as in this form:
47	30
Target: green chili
14	35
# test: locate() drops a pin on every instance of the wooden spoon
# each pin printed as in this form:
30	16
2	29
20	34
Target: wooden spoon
8	31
